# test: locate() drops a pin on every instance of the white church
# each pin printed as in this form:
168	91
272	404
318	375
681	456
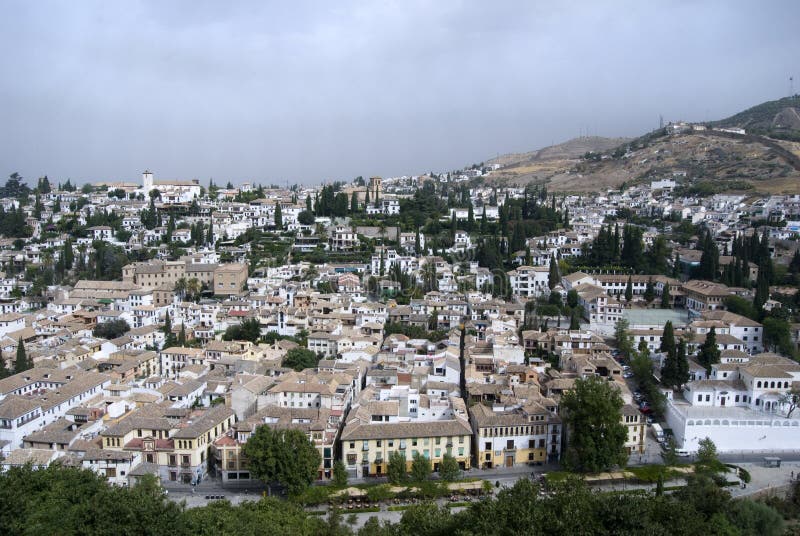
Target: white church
171	191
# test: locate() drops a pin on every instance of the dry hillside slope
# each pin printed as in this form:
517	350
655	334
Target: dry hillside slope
727	163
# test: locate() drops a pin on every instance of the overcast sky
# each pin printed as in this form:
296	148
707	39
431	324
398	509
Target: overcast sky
314	91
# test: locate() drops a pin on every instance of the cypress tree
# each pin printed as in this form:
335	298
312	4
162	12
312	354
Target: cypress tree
68	255
22	363
182	336
553	277
668	339
709	353
278	216
762	291
210	237
629	289
649	291
683	362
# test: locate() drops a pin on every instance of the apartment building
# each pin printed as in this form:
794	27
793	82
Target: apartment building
230	279
527	434
178	443
400	419
529	281
705	296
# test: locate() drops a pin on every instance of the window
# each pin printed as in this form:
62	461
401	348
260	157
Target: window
699	398
708	398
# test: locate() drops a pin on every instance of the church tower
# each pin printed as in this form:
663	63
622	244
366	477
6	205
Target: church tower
147	182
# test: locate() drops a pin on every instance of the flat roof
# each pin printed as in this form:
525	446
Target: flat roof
650	317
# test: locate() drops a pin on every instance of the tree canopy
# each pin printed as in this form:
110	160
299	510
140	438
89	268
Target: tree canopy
111	329
286	457
61	500
299	359
596	436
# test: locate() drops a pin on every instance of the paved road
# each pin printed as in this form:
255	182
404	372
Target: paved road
762	477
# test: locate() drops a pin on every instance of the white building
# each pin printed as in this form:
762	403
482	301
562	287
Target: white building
741	407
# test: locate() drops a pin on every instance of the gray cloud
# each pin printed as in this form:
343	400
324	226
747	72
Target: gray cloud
312	91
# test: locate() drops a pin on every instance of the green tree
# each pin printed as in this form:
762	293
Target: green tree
247	330
707	460
668	339
649	291
420	468
675	371
339	474
596	437
306	217
448	468
278	216
777	336
4	370
396	469
623	338
182	335
752	517
300	359
21	363
629	289
111	329
283	456
572	298
553	277
169	336
574	322
709	352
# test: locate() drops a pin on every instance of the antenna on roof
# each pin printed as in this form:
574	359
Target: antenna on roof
791	86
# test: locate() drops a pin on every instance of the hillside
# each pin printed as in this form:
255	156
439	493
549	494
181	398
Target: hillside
702	161
710	163
776	119
571	149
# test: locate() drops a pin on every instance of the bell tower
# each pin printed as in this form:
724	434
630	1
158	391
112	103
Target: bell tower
147	182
